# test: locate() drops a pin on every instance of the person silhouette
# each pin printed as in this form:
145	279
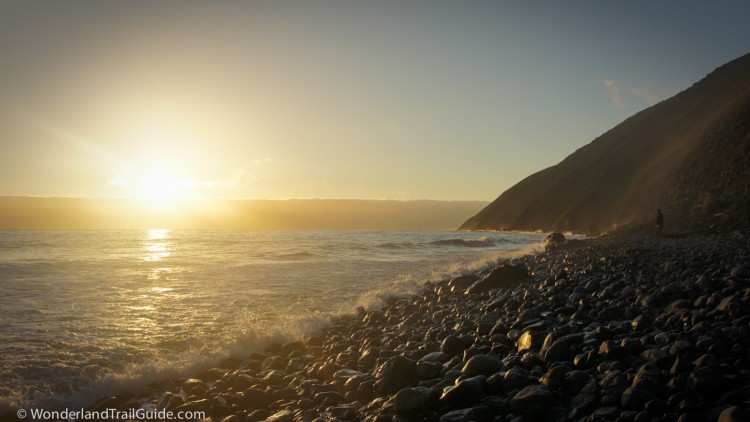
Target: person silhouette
659	221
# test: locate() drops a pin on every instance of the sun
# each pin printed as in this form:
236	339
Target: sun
158	185
161	187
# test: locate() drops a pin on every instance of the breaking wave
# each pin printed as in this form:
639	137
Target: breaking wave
133	322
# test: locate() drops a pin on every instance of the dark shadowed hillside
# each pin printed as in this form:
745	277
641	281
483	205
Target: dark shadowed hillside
688	155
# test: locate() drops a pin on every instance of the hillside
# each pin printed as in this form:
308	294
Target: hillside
688	155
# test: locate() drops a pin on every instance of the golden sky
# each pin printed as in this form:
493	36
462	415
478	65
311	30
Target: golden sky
331	99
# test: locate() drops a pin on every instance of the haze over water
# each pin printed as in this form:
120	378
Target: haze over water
90	313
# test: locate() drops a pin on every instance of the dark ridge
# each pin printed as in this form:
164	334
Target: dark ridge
688	155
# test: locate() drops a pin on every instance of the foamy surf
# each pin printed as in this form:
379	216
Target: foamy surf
124	319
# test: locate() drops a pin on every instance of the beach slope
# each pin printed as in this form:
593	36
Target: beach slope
615	328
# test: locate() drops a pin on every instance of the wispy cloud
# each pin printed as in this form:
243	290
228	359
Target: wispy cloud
614	91
645	93
120	181
238	178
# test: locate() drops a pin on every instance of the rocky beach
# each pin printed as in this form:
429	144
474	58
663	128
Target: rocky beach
437	211
618	328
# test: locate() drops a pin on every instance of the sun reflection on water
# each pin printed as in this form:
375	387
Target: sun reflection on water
147	309
156	245
155	234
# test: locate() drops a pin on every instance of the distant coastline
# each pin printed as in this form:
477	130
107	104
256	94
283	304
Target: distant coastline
28	212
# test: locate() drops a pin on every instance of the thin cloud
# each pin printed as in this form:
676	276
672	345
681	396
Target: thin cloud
238	178
614	91
645	93
241	176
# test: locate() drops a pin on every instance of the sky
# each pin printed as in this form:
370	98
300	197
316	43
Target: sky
436	99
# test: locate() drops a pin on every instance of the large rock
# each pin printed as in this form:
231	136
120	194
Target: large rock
554	377
613	384
473	414
505	277
553	241
452	346
396	373
282	416
529	340
586	398
410	401
574	382
482	365
734	414
518	378
343	375
560	350
344	412
635	399
293	346
706	382
169	401
429	370
273	363
649	378
463	281
532	400
466	392
254	398
436	357
327	371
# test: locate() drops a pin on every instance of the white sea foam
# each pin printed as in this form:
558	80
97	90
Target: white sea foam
88	314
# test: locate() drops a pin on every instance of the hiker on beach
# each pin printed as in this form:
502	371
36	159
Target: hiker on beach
659	221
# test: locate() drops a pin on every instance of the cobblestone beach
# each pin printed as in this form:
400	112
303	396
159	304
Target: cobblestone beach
626	328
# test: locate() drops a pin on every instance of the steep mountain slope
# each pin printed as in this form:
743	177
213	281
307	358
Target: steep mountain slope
687	155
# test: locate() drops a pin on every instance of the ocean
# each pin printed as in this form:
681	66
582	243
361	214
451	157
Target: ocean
85	314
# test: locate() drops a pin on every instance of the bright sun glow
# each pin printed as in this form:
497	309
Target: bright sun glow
157	186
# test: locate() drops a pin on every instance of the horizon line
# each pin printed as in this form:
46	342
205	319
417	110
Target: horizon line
246	199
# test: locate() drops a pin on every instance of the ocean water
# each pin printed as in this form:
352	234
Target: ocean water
89	313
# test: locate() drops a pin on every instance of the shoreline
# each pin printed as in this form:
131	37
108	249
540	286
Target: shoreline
355	267
629	327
